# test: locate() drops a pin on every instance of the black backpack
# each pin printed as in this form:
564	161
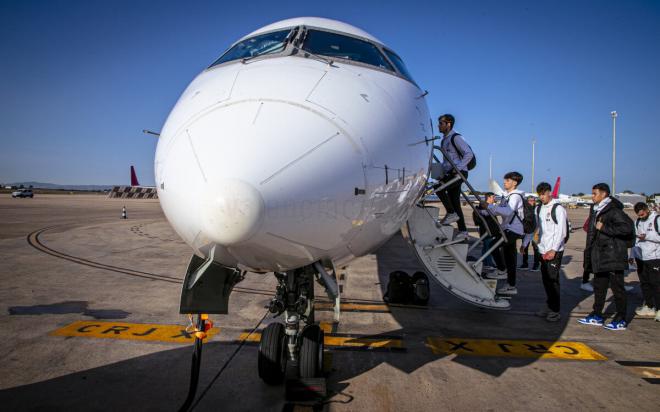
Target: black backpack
404	289
528	221
473	162
399	288
421	289
553	215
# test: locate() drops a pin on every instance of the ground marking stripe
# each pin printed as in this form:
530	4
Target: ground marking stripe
130	331
513	348
343	341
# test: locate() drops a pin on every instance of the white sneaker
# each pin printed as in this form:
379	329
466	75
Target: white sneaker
497	274
461	235
628	288
645	311
449	219
507	290
553	316
587	287
489	268
657	316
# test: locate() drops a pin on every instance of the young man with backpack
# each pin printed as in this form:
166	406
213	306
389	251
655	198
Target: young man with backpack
460	153
517	219
647	256
552	224
610	233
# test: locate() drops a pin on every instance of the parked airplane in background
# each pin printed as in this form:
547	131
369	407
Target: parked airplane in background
134	179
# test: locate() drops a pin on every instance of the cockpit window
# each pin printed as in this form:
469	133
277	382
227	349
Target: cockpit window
262	44
399	64
344	47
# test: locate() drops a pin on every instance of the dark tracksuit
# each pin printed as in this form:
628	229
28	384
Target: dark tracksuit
606	255
649	281
493	227
647	255
550	274
461	154
525	255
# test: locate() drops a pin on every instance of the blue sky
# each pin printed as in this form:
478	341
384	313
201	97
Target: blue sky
81	79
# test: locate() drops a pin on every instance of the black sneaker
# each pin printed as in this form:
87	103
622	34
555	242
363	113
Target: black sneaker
523	266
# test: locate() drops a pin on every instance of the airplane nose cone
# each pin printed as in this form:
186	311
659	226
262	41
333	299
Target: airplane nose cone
232	211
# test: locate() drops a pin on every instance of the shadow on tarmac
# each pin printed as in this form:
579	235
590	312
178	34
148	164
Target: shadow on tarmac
449	317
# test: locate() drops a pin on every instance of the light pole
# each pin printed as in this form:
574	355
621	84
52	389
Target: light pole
614	115
533	152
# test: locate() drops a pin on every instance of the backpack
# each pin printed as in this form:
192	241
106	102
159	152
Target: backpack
528	221
421	289
399	288
553	215
473	162
404	289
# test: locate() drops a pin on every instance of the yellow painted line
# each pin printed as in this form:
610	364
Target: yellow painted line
343	341
513	348
363	342
354	306
326	327
130	331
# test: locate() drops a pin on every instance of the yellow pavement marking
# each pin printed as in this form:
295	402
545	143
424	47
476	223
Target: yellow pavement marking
344	341
130	331
326	327
513	348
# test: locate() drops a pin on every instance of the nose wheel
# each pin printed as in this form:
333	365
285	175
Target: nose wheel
292	350
310	358
272	354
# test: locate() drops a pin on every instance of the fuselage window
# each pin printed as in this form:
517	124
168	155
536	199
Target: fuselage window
399	64
262	44
344	47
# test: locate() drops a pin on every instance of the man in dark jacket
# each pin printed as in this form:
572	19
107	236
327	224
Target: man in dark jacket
610	234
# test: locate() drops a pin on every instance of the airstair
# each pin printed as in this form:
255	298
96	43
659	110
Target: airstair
448	258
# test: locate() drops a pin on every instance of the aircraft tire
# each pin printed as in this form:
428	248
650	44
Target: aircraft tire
272	354
311	352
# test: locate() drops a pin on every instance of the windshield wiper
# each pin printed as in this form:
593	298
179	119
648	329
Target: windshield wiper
318	57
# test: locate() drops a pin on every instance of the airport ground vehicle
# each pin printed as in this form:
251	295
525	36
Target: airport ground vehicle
23	193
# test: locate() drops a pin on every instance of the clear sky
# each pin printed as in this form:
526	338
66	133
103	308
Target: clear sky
79	80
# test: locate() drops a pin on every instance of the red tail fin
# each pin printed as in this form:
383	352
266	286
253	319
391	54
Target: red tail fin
134	181
555	192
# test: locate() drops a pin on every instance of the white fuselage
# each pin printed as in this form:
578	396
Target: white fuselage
284	161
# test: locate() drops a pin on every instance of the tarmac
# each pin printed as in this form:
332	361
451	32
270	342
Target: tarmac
89	321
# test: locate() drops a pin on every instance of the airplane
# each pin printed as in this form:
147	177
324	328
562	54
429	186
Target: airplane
303	146
134	179
134	191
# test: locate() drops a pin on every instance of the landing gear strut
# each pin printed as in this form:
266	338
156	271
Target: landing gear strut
284	344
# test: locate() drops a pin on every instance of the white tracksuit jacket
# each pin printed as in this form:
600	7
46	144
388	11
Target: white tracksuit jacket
649	248
551	234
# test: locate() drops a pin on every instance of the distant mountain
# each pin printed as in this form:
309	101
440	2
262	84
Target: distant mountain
52	186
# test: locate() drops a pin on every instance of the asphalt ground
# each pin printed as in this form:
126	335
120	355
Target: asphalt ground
89	321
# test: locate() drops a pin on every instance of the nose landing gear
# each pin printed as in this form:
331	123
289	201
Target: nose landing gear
285	351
